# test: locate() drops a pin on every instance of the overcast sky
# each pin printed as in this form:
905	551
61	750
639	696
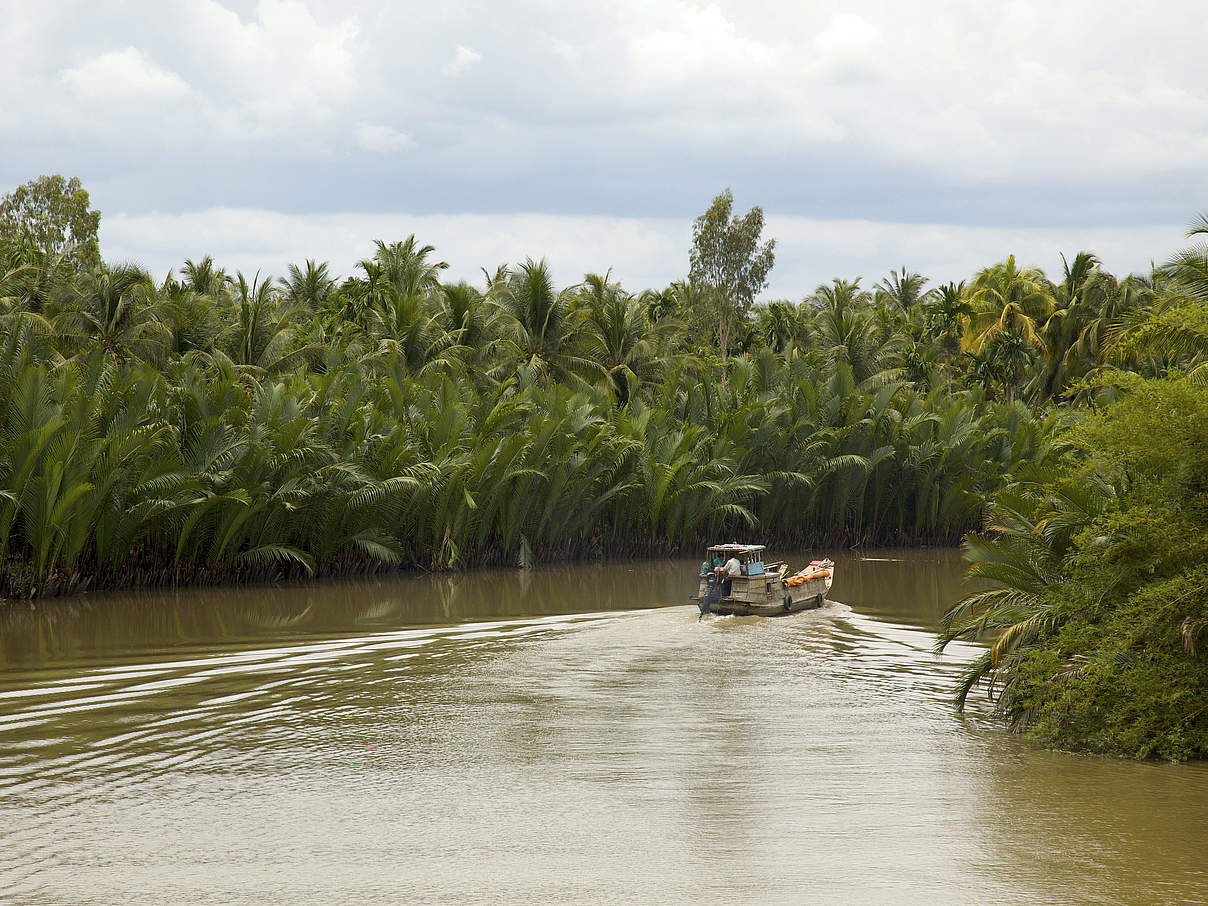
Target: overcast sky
936	135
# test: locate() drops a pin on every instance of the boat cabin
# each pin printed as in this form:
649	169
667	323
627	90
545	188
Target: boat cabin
750	557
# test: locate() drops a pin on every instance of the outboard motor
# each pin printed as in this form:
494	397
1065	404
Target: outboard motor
713	587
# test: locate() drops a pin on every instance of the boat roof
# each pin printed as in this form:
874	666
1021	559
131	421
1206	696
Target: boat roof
735	547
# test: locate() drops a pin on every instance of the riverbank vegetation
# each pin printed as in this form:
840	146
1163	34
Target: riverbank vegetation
225	427
214	426
1097	609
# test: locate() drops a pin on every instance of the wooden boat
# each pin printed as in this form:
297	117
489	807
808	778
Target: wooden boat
763	589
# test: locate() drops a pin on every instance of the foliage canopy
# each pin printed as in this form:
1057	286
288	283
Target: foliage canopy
215	427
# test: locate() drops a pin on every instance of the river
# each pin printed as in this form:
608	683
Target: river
565	734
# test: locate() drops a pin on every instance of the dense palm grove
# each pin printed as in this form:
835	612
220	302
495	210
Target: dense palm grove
224	427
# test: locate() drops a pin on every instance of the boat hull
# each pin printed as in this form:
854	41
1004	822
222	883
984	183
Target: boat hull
745	609
762	597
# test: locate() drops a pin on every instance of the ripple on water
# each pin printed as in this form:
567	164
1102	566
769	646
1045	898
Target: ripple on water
621	755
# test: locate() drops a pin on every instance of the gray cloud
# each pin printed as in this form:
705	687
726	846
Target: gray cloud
1030	115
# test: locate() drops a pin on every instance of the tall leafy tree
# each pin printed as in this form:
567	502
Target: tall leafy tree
728	259
53	214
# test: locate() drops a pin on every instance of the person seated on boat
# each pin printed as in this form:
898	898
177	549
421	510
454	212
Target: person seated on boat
705	568
718	562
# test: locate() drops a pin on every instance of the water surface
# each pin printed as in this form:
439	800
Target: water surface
570	734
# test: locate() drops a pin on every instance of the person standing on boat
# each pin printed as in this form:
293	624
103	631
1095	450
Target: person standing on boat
733	568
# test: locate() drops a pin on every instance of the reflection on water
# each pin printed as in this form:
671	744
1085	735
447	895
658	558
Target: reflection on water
224	616
548	736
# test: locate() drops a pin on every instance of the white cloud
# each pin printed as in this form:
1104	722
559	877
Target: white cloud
127	73
280	68
847	35
463	59
566	51
643	252
848	47
681	44
382	139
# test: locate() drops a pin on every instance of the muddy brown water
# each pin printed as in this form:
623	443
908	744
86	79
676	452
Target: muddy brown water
568	735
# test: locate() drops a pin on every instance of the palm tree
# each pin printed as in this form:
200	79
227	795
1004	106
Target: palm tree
665	302
1189	267
405	266
689	483
918	361
1010	305
407	328
946	315
1006	298
540	337
621	336
1079	299
310	287
471	319
263	336
1134	297
903	290
847	331
203	278
31	277
840	295
115	307
777	324
1021	554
